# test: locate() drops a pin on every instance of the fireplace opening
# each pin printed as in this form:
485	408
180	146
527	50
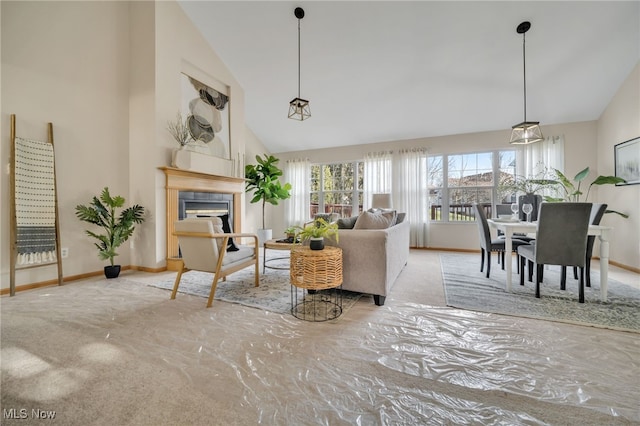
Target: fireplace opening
204	204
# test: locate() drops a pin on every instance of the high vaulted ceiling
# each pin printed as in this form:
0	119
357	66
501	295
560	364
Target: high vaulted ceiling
382	71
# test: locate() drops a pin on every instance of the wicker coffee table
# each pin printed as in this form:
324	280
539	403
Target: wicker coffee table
316	283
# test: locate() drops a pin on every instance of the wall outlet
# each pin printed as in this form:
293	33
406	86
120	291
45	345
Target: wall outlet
64	252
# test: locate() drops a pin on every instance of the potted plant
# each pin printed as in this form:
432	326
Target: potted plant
117	227
316	232
263	179
290	232
568	191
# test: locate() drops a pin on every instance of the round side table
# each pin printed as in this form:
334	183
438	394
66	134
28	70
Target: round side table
316	283
274	245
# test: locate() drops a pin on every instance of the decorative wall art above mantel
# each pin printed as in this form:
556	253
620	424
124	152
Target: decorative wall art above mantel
208	118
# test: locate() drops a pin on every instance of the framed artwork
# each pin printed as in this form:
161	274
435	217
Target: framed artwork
627	161
207	112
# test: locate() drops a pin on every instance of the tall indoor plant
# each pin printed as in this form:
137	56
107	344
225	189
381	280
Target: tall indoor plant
117	227
570	191
263	179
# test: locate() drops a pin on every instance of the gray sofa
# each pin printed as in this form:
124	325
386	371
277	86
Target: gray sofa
372	259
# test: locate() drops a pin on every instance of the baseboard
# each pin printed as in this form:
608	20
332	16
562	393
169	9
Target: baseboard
71	278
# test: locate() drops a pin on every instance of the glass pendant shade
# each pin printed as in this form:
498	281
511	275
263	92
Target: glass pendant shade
525	133
299	109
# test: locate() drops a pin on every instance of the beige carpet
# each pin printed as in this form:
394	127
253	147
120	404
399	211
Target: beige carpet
103	352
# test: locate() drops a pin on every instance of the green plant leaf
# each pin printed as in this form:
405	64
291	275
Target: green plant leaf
607	180
581	175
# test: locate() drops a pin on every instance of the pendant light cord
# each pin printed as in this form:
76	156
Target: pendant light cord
524	74
299	58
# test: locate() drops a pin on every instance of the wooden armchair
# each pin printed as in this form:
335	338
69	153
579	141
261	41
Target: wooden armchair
203	247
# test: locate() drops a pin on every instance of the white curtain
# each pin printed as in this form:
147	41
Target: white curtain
544	156
377	175
298	174
410	192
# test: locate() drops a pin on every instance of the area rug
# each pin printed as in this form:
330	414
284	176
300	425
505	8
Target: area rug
273	294
467	288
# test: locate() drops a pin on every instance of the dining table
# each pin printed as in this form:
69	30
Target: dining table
511	226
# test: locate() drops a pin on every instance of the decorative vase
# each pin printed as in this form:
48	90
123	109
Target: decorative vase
112	271
316	243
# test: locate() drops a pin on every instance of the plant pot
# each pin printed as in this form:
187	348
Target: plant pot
264	235
316	243
112	271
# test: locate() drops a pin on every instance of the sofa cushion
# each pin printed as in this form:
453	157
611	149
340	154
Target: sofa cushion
347	222
368	220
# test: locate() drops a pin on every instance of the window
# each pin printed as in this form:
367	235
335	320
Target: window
337	188
456	181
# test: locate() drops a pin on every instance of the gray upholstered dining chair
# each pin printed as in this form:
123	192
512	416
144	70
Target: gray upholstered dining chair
506	209
487	244
561	239
597	211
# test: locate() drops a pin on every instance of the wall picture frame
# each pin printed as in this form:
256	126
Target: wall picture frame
206	108
627	161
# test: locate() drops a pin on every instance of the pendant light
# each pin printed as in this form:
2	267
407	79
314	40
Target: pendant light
299	108
528	131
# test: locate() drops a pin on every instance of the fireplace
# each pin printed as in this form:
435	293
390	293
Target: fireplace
199	194
204	204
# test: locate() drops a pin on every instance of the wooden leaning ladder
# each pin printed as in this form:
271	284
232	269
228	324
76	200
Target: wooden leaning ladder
40	178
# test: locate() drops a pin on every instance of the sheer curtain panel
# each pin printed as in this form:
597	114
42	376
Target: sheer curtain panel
543	156
377	175
298	174
410	192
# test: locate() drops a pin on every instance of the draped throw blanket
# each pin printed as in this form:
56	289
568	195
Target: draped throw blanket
35	202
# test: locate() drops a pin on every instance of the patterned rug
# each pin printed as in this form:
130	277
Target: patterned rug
273	294
467	288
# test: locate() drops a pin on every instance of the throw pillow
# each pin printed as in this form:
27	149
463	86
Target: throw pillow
400	217
216	223
226	228
369	220
347	222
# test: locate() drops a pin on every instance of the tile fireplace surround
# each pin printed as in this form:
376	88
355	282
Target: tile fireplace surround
177	180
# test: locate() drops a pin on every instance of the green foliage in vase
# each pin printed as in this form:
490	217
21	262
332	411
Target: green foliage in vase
118	227
320	228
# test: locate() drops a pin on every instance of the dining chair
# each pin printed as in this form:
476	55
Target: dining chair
487	244
561	239
597	211
502	209
535	201
203	246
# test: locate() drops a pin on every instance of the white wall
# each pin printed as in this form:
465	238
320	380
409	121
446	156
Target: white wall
53	72
107	74
253	212
620	122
